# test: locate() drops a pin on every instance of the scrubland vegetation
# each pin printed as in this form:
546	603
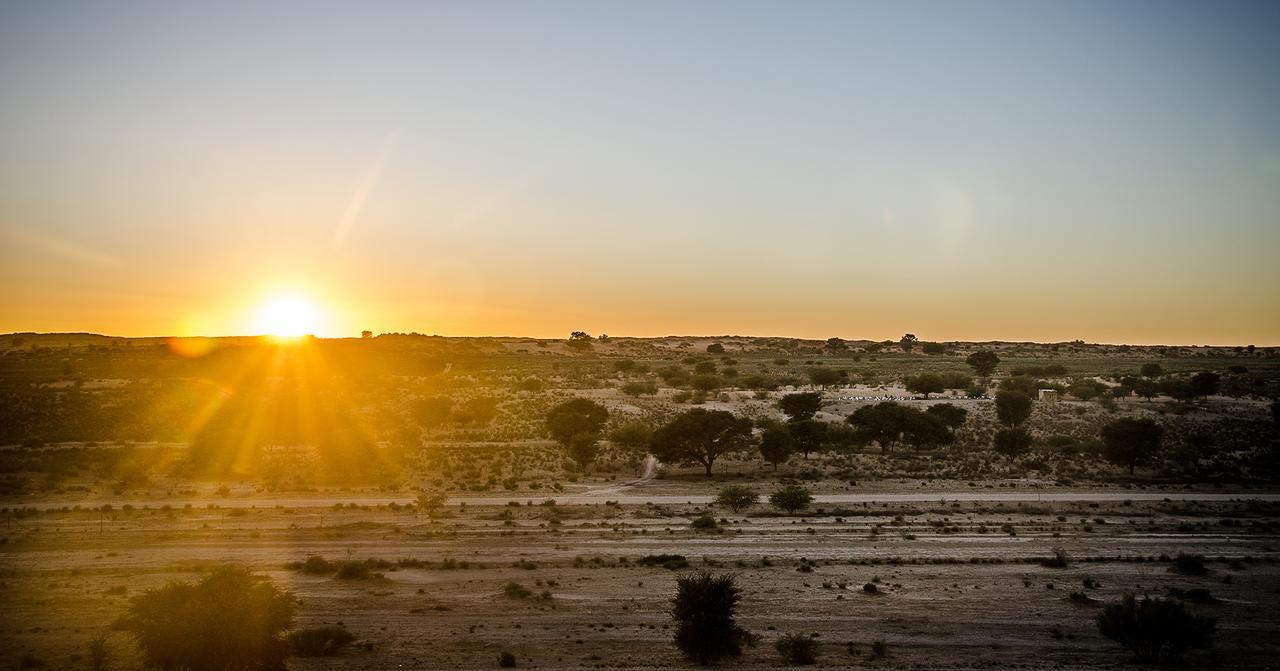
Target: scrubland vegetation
638	503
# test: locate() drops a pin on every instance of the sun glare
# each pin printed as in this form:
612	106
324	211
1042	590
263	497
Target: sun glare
287	316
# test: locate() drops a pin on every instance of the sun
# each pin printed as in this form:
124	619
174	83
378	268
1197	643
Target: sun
287	316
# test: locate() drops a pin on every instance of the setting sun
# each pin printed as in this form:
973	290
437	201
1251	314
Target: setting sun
287	316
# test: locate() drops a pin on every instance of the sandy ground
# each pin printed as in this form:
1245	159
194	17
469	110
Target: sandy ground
956	588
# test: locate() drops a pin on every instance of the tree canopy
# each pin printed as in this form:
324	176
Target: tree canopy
576	424
1012	408
1131	442
700	436
802	406
983	362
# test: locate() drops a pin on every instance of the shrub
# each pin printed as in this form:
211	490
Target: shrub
354	570
737	497
98	652
506	660
1189	564
666	561
703	609
1058	560
316	565
1155	630
514	590
231	620
879	648
319	641
791	499
797	649
704	522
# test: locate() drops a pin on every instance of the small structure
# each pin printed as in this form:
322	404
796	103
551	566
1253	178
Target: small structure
1049	395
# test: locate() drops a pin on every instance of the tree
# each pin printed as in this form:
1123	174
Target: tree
926	383
1012	408
700	436
715	348
791	499
1085	389
366	334
807	435
1147	389
836	345
952	416
231	620
983	362
1177	389
1131	442
430	501
1012	442
799	407
737	497
633	438
776	446
1151	370
703	610
1205	384
576	424
908	342
823	376
580	340
882	423
1155	630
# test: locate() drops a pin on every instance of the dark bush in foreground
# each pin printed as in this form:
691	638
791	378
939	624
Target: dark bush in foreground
231	620
703	610
797	649
506	660
319	641
1155	630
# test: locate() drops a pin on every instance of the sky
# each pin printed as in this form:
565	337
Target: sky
1108	171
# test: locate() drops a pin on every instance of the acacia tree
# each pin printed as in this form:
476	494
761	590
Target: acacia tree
1012	408
776	446
700	436
231	620
887	423
908	342
983	362
1131	442
802	406
926	383
807	435
703	610
952	416
576	424
1205	384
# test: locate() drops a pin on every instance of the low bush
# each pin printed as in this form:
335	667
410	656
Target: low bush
1189	564
797	649
1155	630
319	641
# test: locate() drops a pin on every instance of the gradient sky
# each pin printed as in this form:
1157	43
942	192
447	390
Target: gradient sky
961	170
